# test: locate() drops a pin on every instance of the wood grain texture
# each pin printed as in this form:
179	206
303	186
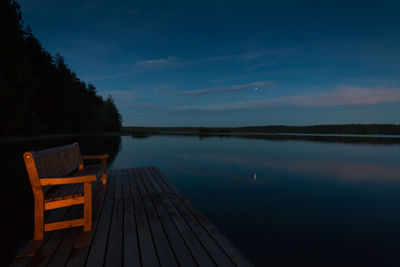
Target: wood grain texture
99	243
180	248
140	219
68	180
69	201
161	242
147	248
236	256
113	256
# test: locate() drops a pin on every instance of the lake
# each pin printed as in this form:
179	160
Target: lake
282	201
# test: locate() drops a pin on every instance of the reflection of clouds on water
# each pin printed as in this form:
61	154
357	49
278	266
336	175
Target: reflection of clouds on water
340	170
224	174
349	172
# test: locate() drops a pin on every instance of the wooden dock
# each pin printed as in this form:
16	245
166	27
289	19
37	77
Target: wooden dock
140	219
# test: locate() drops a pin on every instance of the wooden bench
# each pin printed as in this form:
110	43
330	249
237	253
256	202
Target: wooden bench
56	169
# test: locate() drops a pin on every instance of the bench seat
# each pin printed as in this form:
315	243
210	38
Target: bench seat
62	191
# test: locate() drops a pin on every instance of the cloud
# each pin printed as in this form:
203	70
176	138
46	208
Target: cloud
171	62
159	64
229	89
342	96
150	105
142	67
253	55
258	66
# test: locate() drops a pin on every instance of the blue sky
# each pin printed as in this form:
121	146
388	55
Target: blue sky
231	63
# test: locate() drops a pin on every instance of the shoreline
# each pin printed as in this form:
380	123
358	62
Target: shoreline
141	134
50	136
233	134
196	133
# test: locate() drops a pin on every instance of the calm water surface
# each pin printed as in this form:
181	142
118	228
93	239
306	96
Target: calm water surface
281	202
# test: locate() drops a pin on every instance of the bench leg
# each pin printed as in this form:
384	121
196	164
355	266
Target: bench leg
87	207
39	219
104	178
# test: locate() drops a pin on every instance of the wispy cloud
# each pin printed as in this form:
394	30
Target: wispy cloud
252	55
258	66
229	89
142	66
172	62
159	64
345	95
147	105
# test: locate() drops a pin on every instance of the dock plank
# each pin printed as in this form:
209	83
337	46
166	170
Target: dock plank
182	252
100	240
82	243
165	255
147	249
46	252
84	238
140	219
131	255
40	252
114	246
31	250
196	248
237	257
61	255
212	247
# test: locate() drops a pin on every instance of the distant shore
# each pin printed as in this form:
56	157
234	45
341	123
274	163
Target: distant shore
368	134
371	131
339	129
244	134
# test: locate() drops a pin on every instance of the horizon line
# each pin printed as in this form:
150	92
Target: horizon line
267	125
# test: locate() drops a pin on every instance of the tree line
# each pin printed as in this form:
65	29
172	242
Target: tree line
384	129
38	92
380	129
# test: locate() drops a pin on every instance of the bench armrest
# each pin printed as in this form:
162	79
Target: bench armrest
68	180
105	156
102	157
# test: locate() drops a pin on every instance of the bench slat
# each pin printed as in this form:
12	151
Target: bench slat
63	224
63	203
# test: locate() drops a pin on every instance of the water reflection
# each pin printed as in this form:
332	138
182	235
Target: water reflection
335	169
350	139
311	198
138	134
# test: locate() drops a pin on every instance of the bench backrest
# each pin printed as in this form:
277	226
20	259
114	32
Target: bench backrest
50	163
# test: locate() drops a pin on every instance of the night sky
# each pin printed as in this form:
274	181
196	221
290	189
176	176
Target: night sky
231	63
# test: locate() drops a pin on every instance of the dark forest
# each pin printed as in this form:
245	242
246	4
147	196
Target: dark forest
39	94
